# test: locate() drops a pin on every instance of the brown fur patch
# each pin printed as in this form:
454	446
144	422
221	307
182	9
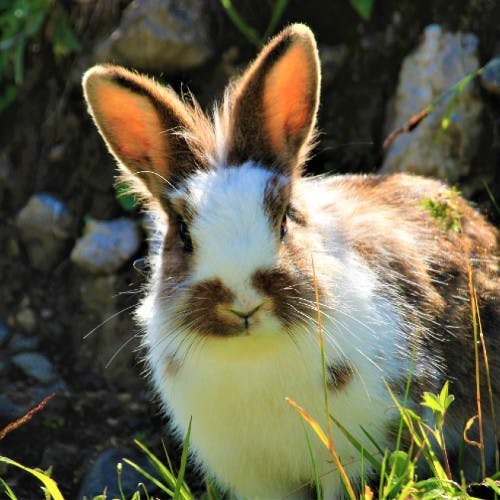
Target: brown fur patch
276	198
339	375
202	310
176	264
287	290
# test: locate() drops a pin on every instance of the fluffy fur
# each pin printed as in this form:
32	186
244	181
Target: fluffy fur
230	316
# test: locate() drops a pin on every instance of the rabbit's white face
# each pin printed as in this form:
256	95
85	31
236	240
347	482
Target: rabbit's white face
235	229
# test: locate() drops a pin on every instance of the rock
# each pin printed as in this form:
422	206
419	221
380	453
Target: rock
441	60
490	78
21	343
5	334
9	411
36	366
45	225
58	404
103	475
160	36
106	245
26	320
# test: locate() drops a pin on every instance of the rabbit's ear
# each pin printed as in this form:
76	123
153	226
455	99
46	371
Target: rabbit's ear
276	101
136	117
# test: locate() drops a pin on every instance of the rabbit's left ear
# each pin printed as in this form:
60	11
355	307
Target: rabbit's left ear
139	120
276	101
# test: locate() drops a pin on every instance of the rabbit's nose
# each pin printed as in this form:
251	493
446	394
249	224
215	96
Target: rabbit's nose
245	315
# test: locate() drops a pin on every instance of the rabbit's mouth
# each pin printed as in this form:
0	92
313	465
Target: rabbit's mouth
212	309
224	320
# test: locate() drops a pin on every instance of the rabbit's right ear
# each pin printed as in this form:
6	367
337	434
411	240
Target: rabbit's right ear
136	118
275	103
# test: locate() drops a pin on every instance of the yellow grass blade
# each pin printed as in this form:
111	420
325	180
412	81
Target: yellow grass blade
314	425
329	445
48	482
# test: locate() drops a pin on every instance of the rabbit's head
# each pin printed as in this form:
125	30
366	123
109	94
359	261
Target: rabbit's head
235	258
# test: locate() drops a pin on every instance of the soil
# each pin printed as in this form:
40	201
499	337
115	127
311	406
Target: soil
48	144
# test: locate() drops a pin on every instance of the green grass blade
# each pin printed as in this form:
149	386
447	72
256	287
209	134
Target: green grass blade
169	462
7	490
363	7
317	482
48	482
357	445
240	23
180	491
279	8
492	198
372	441
148	476
165	473
493	485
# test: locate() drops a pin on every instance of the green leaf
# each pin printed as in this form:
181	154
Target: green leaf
432	401
363	7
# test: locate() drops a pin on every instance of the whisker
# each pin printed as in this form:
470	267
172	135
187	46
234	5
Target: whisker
120	349
109	318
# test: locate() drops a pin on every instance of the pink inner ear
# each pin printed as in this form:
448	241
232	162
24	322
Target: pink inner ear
287	97
131	126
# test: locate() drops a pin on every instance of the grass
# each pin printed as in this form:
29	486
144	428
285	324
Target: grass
397	469
24	25
364	9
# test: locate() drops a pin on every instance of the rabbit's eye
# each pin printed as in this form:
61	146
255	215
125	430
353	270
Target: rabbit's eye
185	236
283	226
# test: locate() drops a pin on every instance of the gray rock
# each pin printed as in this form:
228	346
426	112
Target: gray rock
160	35
103	475
441	60
106	245
45	225
21	343
9	411
5	334
36	366
490	78
26	319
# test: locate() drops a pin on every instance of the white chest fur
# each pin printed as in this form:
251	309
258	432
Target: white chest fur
243	430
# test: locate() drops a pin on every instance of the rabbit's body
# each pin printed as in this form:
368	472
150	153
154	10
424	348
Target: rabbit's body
230	315
238	384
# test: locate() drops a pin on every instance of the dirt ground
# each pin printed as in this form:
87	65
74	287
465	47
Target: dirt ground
48	144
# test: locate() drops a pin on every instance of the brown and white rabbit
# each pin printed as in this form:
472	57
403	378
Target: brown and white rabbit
230	317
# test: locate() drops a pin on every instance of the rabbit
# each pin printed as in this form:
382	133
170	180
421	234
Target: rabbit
243	242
